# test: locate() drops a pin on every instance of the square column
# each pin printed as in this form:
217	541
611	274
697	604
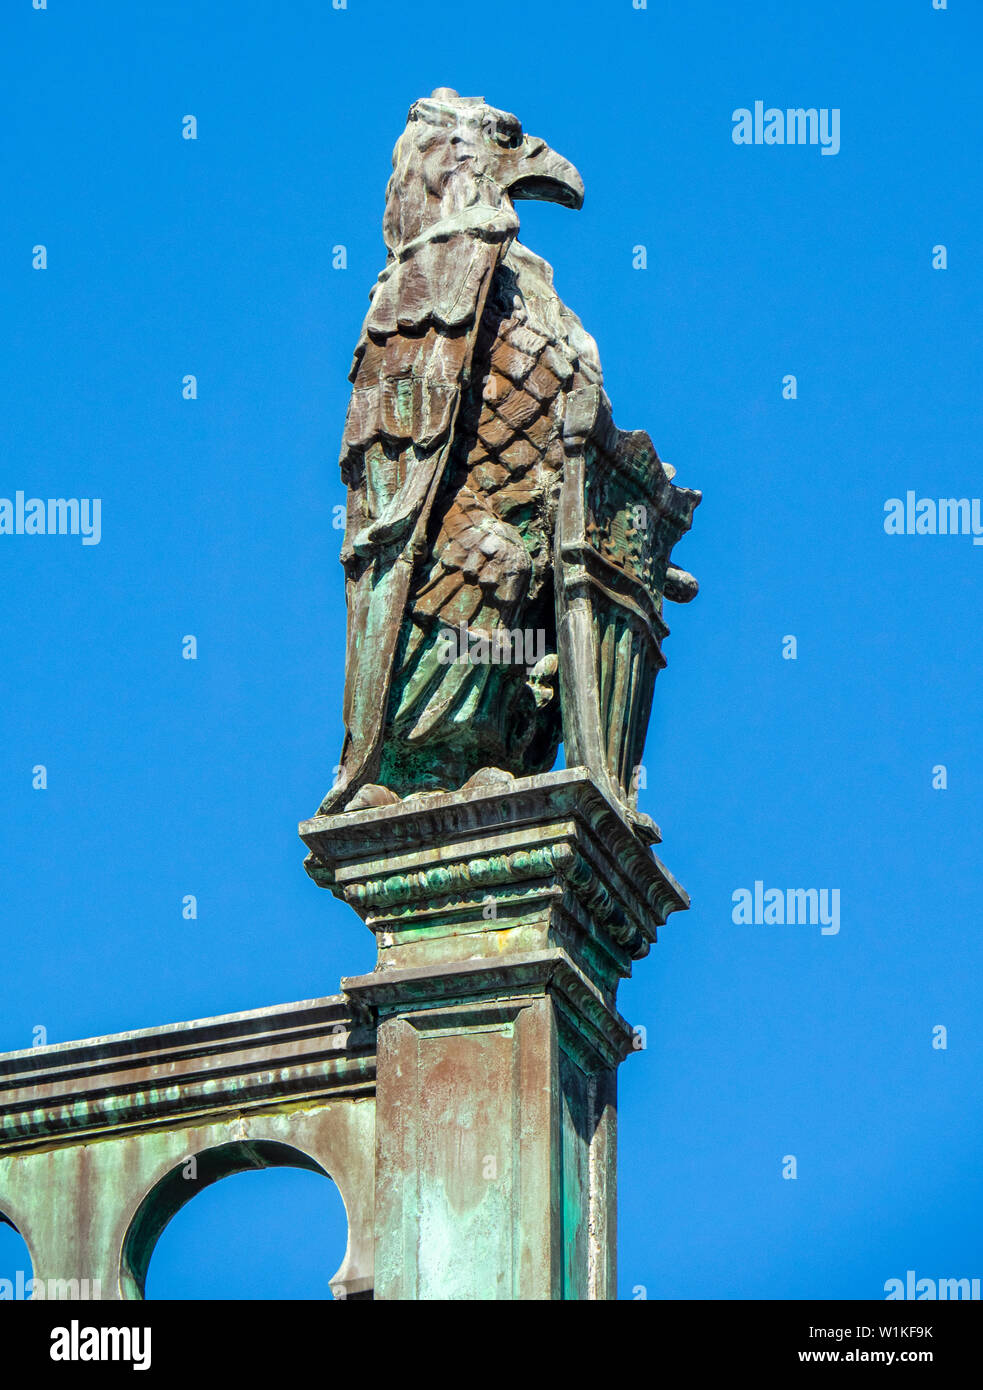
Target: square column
504	917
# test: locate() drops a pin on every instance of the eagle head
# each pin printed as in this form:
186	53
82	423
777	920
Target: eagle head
459	152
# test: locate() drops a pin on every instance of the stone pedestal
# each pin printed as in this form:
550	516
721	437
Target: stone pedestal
504	918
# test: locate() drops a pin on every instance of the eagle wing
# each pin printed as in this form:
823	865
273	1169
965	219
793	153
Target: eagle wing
412	362
493	545
411	367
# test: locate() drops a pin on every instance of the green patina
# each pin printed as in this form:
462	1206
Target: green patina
463	1093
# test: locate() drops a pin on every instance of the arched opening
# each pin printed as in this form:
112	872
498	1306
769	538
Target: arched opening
276	1229
16	1265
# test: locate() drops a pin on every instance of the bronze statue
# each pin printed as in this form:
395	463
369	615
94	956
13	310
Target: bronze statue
507	549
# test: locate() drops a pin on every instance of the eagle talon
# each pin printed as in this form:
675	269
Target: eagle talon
487	778
370	796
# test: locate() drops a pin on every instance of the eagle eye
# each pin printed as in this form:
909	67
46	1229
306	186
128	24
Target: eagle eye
506	134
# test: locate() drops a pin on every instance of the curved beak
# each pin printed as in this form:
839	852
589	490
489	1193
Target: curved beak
543	175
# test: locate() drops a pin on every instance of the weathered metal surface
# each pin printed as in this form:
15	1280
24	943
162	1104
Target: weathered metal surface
620	516
525	864
154	1076
504	919
95	1136
477	433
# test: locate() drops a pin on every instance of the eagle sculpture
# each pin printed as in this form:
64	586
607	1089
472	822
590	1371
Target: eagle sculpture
506	549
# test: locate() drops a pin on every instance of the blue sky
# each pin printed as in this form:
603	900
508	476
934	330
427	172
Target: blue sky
168	777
